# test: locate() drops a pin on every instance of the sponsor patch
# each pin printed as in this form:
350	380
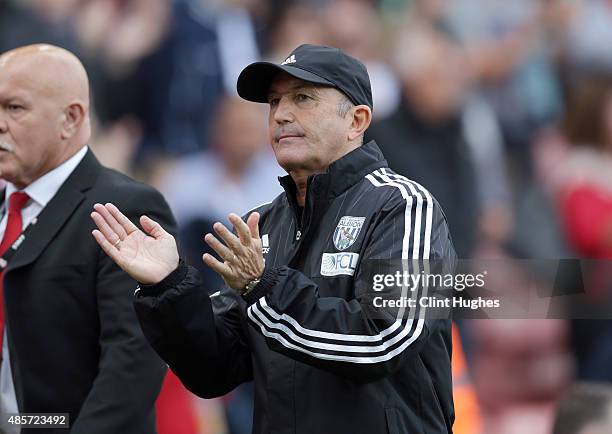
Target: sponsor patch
347	231
334	264
265	244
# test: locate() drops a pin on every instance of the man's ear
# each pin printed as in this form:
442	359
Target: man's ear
361	119
74	115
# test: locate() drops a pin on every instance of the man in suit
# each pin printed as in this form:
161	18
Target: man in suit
71	341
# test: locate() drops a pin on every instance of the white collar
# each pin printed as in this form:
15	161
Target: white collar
44	188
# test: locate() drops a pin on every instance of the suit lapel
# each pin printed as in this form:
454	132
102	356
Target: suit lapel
57	212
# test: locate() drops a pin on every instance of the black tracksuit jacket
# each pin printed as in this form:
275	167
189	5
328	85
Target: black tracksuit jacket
321	361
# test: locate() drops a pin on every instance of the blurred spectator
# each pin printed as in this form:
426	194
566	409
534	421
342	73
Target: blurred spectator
585	409
582	185
296	22
537	229
33	21
346	21
117	143
589	25
507	51
236	34
158	65
511	51
119	33
440	137
171	89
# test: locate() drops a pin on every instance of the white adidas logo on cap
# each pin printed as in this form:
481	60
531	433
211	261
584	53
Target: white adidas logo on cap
290	59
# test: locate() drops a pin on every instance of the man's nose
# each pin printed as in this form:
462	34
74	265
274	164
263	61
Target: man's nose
284	111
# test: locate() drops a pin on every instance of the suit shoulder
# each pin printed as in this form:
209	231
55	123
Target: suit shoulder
121	187
133	198
127	193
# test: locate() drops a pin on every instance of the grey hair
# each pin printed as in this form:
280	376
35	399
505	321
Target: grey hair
344	106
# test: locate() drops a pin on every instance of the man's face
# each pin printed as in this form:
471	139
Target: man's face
30	123
306	129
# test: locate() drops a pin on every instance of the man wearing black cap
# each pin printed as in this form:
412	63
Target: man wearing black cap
298	317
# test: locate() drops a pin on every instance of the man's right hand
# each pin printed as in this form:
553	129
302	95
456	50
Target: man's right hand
147	257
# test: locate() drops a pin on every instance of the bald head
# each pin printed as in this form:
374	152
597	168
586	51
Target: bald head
44	95
53	71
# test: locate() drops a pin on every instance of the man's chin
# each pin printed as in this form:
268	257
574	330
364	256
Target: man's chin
7	175
295	158
290	162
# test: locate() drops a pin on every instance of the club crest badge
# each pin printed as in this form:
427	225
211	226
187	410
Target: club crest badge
347	231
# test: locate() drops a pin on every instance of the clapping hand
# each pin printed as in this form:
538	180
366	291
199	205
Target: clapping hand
147	257
242	257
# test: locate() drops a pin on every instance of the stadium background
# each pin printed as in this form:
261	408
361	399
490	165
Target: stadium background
502	108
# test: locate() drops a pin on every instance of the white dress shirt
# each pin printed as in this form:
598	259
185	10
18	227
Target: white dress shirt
41	192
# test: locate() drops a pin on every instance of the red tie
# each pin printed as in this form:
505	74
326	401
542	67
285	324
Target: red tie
13	228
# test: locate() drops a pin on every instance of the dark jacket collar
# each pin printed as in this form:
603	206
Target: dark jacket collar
341	174
82	177
58	211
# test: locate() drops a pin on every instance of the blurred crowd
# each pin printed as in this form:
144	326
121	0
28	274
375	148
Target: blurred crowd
502	109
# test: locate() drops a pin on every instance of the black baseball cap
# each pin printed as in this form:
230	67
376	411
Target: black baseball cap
318	64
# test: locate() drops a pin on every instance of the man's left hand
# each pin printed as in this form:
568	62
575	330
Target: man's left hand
243	260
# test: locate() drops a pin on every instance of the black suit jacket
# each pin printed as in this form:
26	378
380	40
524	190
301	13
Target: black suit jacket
75	344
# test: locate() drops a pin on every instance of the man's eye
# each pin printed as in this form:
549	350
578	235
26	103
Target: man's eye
302	97
14	107
273	102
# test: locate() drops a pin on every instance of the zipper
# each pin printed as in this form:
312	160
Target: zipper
302	218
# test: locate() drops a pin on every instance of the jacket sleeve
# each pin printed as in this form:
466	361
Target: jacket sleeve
201	337
351	338
130	374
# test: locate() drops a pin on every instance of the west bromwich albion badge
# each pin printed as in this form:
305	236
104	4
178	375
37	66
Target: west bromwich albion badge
347	231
